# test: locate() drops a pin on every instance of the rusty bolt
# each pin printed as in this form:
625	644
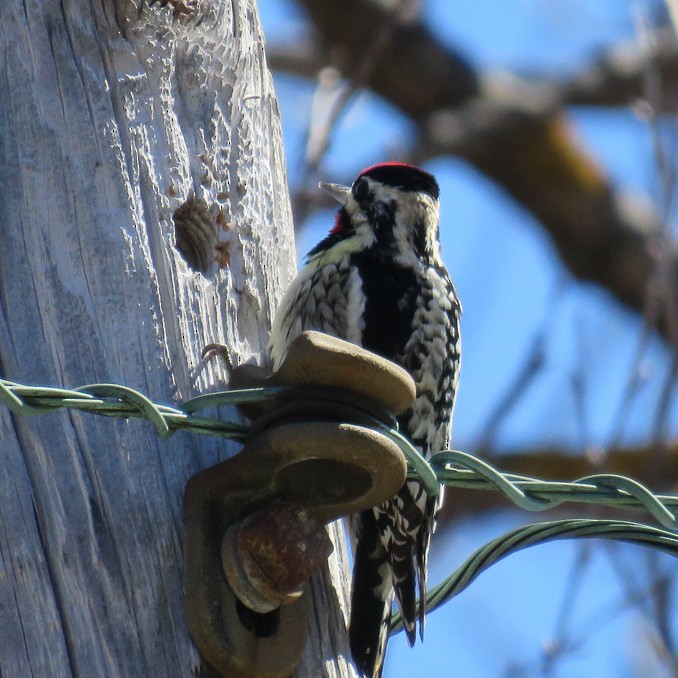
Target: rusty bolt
269	556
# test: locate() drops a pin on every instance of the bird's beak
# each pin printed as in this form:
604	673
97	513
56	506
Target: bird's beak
337	191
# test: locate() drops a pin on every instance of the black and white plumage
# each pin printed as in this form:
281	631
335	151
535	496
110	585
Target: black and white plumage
377	280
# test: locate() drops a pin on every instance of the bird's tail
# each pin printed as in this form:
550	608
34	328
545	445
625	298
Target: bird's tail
392	543
371	599
433	505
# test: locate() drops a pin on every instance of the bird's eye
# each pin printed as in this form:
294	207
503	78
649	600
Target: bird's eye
361	190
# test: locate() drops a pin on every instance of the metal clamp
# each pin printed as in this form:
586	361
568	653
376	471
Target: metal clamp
254	524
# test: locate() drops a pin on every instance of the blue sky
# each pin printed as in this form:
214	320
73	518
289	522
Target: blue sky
513	287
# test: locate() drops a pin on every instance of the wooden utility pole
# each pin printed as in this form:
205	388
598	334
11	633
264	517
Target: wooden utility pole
126	129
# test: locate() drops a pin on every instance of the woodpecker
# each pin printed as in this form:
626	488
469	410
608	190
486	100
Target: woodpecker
378	281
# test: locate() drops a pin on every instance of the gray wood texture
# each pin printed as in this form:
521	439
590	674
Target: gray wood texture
111	116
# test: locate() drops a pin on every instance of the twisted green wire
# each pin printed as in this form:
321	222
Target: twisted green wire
113	400
460	469
541	533
453	468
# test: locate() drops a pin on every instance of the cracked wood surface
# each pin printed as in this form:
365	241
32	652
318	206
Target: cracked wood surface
112	116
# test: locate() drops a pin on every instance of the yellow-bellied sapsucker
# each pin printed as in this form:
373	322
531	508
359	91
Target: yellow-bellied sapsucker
377	280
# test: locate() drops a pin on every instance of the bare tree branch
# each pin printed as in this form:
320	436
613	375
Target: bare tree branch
514	133
612	79
616	77
436	77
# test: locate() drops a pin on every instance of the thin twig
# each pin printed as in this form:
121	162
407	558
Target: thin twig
526	375
321	127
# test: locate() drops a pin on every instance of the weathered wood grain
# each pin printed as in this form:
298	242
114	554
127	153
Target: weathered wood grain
111	116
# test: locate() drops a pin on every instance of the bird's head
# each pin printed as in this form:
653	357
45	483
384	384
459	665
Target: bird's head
391	207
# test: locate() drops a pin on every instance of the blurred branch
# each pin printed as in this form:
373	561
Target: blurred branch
514	132
594	622
637	462
601	236
416	72
520	383
616	78
333	100
304	59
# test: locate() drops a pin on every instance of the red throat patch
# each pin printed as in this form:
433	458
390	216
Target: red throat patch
340	223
